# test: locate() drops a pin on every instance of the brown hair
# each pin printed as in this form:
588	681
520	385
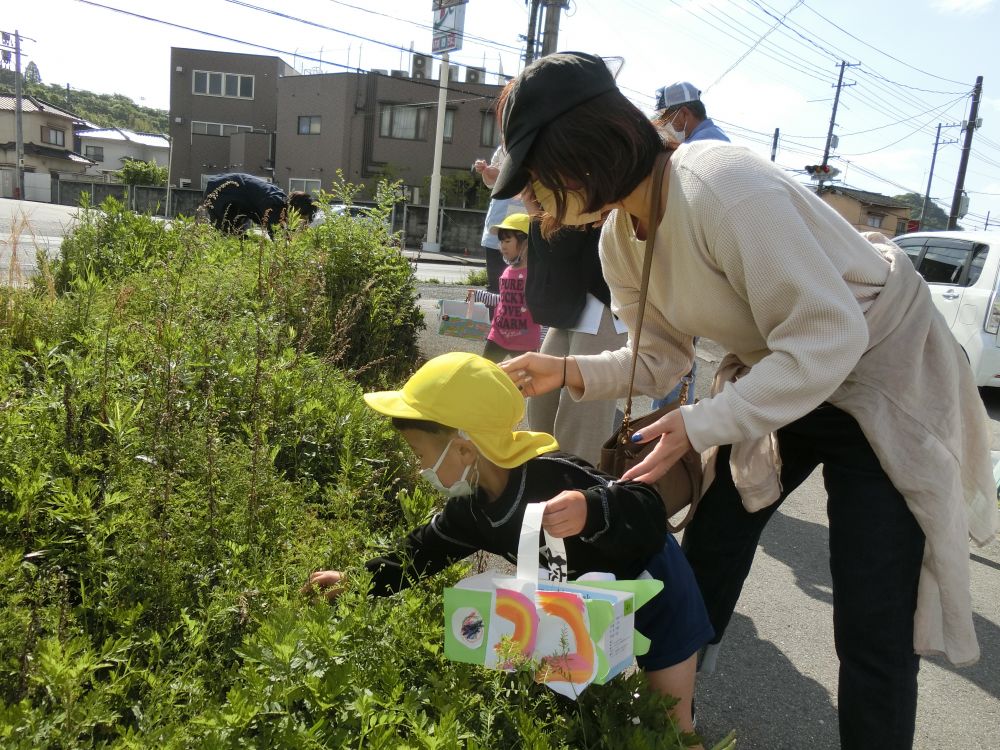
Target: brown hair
604	147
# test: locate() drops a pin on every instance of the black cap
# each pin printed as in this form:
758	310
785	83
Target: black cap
549	87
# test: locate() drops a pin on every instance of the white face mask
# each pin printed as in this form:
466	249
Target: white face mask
575	215
459	489
672	132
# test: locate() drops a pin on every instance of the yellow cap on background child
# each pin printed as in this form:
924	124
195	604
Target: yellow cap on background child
468	393
517	222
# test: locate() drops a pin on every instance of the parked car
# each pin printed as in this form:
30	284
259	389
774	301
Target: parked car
961	269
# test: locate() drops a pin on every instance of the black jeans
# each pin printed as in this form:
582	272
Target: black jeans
876	548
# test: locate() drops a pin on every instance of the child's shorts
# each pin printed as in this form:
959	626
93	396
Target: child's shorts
675	620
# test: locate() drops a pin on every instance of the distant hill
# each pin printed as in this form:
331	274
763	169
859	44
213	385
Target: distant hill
106	110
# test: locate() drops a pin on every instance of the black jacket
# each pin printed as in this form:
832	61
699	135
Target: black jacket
561	273
626	525
234	195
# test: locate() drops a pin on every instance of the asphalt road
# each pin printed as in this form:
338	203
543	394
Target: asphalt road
776	677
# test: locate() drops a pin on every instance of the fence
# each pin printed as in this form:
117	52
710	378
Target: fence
459	229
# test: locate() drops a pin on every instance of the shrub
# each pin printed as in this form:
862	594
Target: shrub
176	454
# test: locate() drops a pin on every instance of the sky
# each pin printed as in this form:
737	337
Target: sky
760	64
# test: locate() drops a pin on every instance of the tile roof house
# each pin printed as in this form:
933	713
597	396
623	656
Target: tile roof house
47	131
867	211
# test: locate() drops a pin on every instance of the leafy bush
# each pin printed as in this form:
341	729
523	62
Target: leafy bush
177	452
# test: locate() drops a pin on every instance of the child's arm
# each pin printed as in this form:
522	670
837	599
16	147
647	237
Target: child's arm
449	537
490	299
625	520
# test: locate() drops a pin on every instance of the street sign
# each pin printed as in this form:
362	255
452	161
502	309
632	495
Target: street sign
449	23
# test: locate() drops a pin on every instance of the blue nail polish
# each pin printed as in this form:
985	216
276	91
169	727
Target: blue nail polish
636	437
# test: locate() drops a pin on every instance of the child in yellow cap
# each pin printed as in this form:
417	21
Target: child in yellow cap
512	330
459	413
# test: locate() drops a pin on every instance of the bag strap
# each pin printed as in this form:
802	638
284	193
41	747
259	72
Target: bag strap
655	191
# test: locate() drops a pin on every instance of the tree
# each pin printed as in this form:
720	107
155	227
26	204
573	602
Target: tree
136	172
31	74
934	218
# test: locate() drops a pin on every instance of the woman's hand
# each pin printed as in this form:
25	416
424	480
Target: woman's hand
535	374
672	445
327	582
565	514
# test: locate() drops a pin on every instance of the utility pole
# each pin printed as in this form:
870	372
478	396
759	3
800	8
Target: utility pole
970	127
18	96
930	177
774	144
531	42
550	35
833	115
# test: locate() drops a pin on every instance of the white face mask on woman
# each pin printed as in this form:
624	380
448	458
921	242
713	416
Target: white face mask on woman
575	215
459	488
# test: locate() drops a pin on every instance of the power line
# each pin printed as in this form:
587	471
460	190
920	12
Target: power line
318	25
882	52
911	133
754	46
482	40
474	95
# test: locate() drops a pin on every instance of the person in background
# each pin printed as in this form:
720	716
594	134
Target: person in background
681	115
680	111
820	321
459	414
512	331
495	214
567	292
235	202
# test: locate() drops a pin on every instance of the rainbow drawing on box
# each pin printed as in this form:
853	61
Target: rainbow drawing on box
519	610
578	666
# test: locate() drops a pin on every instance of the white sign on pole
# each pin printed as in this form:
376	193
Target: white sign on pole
449	23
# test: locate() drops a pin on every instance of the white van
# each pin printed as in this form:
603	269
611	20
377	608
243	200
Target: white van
961	269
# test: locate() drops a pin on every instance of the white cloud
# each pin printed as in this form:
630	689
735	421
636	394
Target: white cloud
961	6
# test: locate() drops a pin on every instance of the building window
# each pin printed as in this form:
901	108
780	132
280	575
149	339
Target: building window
94	152
306	186
309	125
449	124
874	220
489	133
218	128
53	136
232	85
403	121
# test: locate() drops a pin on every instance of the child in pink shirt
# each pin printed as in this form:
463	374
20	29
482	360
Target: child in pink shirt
512	331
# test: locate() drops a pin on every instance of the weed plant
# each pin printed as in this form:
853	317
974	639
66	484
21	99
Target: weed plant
182	439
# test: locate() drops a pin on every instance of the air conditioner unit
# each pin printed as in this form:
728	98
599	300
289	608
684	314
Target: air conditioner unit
379	71
475	75
179	69
399	74
421	66
452	72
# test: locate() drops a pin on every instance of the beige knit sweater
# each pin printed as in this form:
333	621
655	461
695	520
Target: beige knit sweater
747	257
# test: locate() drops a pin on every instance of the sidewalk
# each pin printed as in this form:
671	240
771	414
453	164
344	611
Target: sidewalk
475	258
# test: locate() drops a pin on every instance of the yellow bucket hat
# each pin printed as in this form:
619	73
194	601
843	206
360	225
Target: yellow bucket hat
469	393
517	222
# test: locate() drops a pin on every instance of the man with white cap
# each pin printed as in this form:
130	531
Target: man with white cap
679	106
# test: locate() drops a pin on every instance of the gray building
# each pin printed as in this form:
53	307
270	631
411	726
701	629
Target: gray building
223	110
253	113
374	124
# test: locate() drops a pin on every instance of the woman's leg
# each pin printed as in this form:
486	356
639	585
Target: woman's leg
721	540
876	550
